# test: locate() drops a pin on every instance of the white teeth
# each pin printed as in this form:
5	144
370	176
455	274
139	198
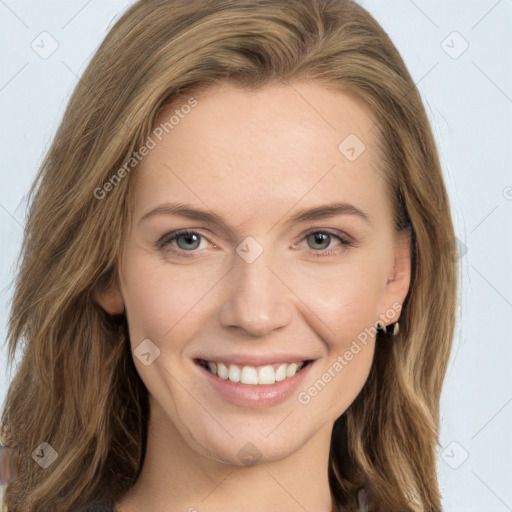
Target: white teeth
250	375
222	371
234	373
291	370
281	373
266	375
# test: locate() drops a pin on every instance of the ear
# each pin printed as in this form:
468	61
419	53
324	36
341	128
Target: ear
399	278
110	299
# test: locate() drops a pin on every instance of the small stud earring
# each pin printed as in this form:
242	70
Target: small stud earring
393	329
390	330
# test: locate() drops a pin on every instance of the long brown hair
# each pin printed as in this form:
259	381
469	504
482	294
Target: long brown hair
76	386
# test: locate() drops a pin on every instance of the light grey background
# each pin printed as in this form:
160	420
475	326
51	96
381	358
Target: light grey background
468	95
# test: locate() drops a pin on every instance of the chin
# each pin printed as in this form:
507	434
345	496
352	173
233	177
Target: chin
250	444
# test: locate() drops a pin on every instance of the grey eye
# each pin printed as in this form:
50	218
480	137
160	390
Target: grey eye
319	238
189	239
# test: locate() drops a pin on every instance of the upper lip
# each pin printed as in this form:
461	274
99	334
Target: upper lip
255	360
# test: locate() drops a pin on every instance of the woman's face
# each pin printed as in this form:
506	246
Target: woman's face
259	284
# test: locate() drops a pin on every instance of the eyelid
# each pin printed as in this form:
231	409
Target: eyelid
327	231
172	235
165	240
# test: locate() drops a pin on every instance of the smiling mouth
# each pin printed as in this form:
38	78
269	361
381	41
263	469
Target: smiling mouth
253	375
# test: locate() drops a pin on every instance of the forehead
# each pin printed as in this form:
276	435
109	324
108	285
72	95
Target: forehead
263	151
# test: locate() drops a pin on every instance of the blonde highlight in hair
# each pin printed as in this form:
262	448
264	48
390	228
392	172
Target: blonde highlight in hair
77	387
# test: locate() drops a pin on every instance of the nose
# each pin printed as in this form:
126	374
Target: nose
258	299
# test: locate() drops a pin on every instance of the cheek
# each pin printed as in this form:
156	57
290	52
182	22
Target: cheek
342	307
162	300
346	298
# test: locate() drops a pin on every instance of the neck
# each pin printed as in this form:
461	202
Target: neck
176	477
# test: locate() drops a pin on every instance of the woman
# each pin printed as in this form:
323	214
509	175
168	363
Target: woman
237	289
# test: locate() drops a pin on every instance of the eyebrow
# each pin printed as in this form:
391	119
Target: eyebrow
307	214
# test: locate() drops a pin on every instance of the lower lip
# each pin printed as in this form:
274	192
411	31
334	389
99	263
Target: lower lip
262	395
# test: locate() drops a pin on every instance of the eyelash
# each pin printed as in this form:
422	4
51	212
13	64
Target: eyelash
165	242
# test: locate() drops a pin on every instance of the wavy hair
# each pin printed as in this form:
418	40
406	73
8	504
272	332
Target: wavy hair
76	386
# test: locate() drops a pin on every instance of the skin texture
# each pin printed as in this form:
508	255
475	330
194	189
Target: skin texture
255	159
